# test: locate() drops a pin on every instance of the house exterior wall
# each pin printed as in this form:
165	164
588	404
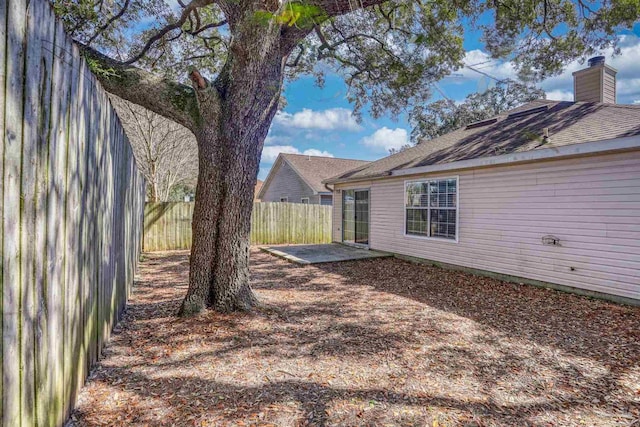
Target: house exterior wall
326	199
592	204
609	87
287	183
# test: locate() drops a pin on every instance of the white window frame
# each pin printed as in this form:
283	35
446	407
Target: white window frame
405	207
284	200
302	200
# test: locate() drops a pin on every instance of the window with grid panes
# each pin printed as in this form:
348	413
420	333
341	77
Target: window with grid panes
431	208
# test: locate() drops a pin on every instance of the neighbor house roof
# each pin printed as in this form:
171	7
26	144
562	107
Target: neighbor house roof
256	190
314	169
516	131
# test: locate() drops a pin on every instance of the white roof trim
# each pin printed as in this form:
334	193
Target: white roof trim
583	149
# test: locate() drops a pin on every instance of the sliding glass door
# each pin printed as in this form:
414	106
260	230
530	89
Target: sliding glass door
355	216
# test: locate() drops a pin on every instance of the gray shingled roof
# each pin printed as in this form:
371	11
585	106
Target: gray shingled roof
315	169
568	123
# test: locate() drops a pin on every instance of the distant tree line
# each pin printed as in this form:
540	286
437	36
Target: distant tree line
443	116
165	151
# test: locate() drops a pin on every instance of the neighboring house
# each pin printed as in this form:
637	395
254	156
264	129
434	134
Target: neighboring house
256	190
548	192
297	178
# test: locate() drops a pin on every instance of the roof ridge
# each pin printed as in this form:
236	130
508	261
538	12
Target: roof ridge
602	104
325	157
596	122
632	106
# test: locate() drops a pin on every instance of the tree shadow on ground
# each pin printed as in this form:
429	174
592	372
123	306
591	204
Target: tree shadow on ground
186	400
367	343
571	323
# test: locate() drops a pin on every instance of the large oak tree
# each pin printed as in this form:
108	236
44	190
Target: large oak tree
218	68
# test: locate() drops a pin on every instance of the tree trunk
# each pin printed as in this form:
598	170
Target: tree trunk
219	269
229	149
153	196
219	265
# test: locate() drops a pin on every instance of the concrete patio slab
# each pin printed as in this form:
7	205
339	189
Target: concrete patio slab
315	254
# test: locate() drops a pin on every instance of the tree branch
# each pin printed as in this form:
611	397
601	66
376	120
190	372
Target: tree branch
191	7
298	56
197	79
198	29
109	22
172	100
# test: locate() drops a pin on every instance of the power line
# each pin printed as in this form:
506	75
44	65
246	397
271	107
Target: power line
441	92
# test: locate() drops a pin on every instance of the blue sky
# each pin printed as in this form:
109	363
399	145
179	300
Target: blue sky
318	121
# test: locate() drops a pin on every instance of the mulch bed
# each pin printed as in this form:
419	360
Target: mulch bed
375	342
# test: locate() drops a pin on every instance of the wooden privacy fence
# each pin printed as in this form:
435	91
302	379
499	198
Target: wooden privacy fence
167	226
72	204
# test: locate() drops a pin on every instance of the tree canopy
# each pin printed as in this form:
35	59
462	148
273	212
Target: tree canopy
388	53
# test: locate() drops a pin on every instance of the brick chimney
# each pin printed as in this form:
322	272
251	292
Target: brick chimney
596	83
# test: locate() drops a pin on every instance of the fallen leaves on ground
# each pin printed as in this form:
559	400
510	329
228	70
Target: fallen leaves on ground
375	342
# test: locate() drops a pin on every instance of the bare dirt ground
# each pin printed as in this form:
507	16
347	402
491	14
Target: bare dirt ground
376	342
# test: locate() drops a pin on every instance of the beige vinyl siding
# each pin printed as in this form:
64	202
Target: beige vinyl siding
588	84
336	219
591	204
609	87
287	183
325	199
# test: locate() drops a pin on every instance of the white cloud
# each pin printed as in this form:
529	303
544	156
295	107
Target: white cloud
314	152
628	88
272	140
270	153
558	87
560	95
384	139
636	101
331	119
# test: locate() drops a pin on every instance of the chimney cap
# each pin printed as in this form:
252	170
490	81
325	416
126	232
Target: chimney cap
596	60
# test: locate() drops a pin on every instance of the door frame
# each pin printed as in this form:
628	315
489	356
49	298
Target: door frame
357	245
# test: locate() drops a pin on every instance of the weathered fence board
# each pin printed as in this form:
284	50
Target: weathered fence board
167	225
12	283
72	205
43	340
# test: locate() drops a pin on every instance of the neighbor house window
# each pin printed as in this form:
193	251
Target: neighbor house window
431	207
304	200
284	199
